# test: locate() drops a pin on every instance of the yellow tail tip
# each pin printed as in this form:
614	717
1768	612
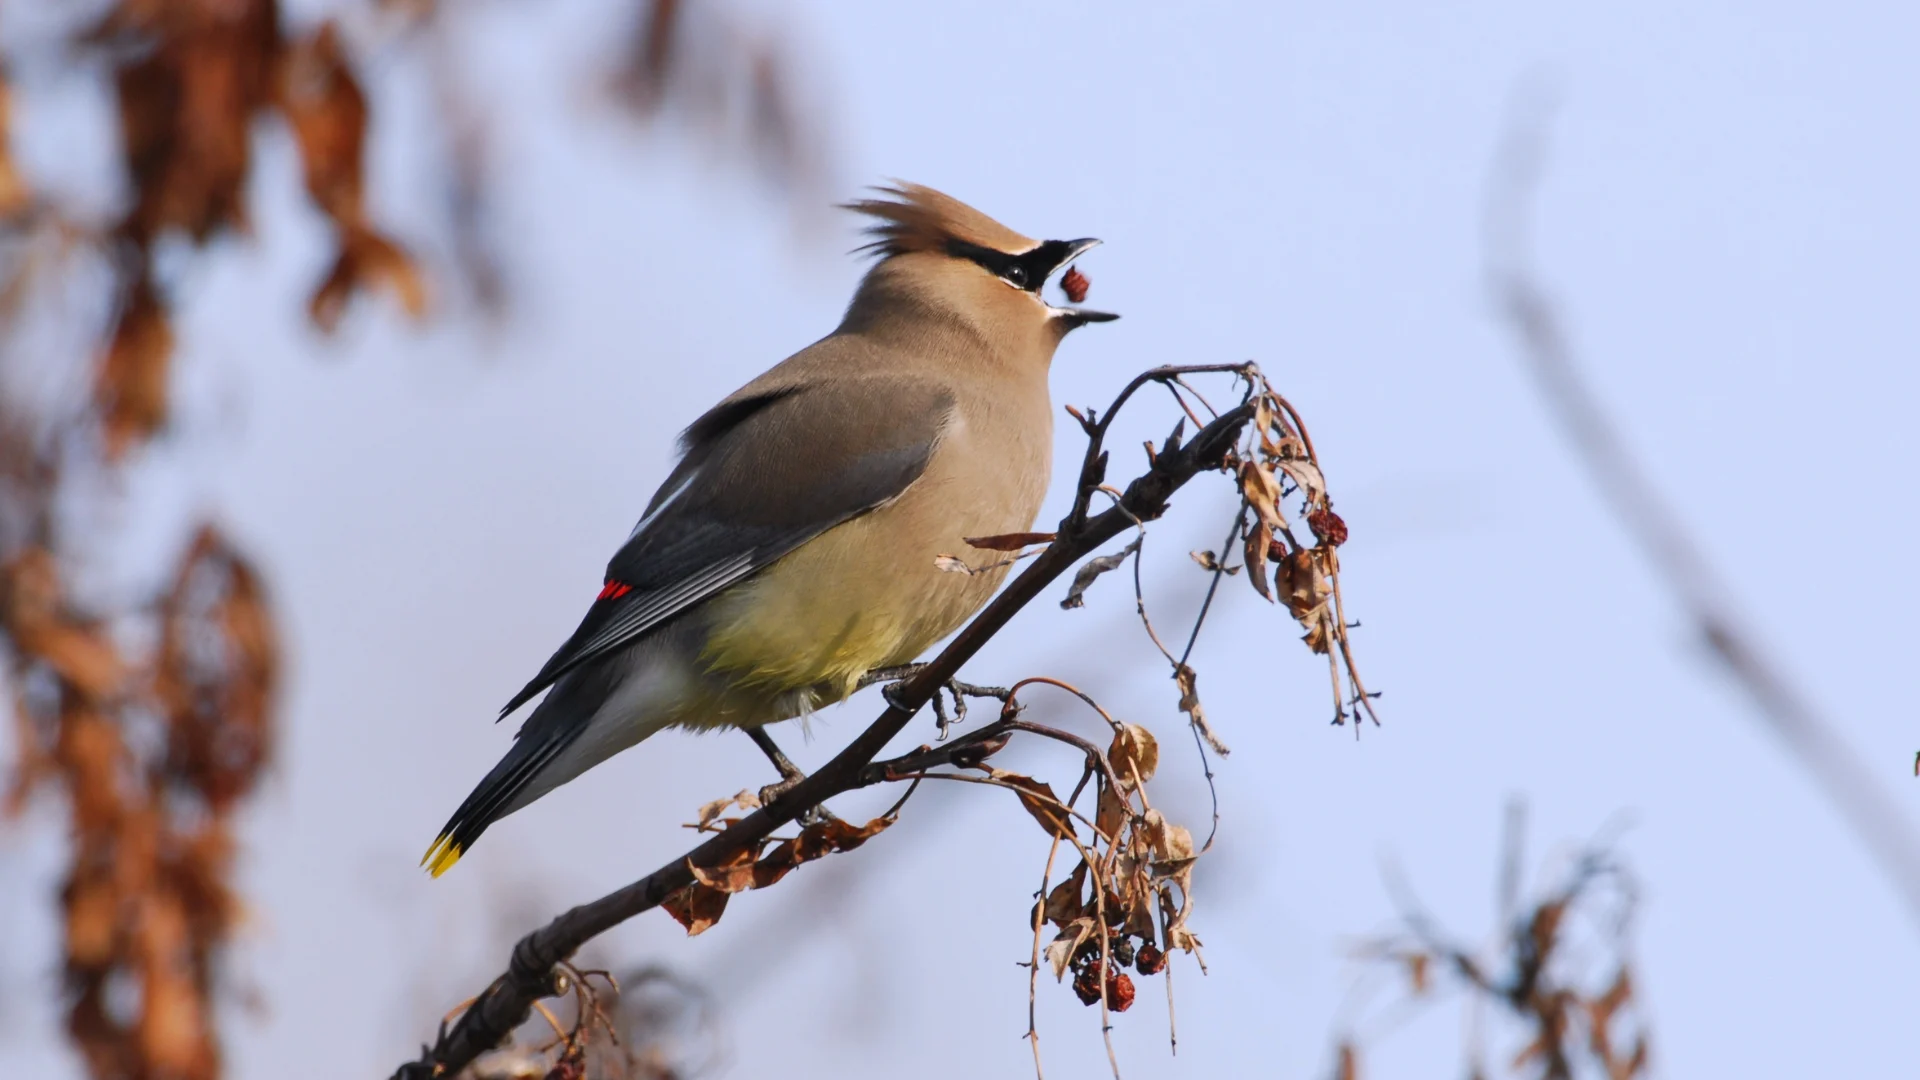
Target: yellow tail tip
441	856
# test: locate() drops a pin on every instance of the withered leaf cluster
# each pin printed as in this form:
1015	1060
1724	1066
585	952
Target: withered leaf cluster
194	79
699	906
147	899
1277	466
154	747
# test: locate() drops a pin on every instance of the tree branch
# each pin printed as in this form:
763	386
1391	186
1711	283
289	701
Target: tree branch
508	1002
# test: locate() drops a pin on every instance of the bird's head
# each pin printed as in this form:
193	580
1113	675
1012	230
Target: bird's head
936	251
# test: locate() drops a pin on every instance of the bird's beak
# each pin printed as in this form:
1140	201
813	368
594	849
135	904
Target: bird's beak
1078	316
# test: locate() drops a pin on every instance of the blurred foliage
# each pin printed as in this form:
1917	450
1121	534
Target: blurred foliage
1559	970
153	716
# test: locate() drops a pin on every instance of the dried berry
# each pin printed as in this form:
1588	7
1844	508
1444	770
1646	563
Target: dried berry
1119	993
1123	951
1149	960
1328	527
1276	549
1086	986
1074	284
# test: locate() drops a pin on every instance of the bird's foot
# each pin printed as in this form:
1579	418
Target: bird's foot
960	692
790	777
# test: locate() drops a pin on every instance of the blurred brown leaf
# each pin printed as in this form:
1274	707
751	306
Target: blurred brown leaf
34	616
367	260
131	385
14	193
187	101
324	105
327	110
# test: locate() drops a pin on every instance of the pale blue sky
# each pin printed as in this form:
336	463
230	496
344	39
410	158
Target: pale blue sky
1730	219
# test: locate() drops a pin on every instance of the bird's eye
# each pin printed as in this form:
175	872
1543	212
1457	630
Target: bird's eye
1016	276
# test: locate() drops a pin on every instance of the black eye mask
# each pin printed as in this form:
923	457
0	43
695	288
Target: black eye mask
1028	270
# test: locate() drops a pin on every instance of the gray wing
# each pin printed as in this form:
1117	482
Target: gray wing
762	474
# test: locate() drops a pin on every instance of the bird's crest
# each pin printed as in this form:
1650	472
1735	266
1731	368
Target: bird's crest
914	217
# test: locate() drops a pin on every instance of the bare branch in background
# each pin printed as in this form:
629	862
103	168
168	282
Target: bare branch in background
734	82
1632	496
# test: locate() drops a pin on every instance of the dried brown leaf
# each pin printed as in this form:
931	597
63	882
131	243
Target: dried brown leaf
1307	475
1188	681
1060	951
734	875
1064	901
710	812
1111	813
1254	554
1010	541
696	907
1134	754
1262	492
1302	583
1170	843
1209	561
1040	801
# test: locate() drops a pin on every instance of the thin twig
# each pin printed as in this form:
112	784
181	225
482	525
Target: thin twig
1033	965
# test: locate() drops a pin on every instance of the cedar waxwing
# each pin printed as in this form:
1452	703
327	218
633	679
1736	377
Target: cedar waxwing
792	549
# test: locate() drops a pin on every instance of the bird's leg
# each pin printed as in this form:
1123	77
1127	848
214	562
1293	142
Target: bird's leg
790	775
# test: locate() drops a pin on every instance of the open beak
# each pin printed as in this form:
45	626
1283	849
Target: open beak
1078	316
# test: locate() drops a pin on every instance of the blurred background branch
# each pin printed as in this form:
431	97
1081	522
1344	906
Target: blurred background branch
1610	459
